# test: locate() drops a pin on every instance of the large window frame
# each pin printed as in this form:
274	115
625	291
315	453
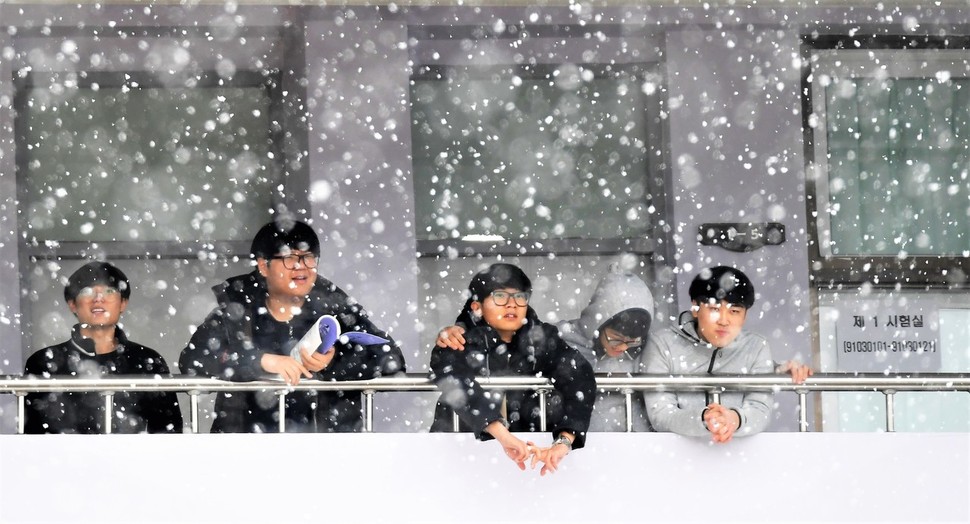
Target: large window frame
853	57
443	50
268	81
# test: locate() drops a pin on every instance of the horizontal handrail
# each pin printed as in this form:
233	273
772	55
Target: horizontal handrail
17	384
887	384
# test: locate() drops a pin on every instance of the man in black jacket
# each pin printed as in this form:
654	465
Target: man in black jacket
502	336
97	294
261	316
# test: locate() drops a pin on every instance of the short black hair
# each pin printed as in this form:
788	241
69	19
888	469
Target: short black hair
274	236
498	276
94	273
722	283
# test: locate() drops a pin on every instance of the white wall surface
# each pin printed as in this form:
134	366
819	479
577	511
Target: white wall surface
431	478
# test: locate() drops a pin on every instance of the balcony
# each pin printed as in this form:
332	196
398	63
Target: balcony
420	477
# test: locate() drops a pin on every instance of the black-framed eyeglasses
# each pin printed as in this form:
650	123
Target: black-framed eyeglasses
501	298
630	343
307	260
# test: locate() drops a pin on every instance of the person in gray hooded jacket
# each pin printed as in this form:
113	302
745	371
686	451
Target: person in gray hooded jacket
611	333
711	342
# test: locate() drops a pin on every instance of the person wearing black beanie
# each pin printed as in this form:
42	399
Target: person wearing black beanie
711	341
260	318
97	294
501	335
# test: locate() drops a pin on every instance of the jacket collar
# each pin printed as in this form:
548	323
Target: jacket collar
86	345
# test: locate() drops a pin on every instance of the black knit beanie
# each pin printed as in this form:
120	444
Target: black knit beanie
273	237
94	273
722	283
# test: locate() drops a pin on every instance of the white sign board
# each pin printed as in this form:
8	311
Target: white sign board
888	334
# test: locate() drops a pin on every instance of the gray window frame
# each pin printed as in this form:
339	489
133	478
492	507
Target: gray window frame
822	54
439	50
33	252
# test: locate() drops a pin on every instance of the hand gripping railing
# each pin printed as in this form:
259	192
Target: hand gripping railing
888	384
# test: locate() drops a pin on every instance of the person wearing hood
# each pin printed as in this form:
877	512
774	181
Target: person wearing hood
712	342
502	336
97	294
611	333
260	318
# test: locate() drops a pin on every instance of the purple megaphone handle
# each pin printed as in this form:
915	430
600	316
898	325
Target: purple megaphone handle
329	331
365	339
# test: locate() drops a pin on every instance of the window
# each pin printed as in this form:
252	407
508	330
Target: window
555	152
121	157
890	163
546	137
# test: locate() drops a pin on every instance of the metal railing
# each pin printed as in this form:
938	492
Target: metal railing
887	384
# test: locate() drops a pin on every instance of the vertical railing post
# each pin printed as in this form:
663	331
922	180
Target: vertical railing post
890	410
802	411
715	397
109	404
455	422
543	397
21	412
282	410
194	410
368	410
628	400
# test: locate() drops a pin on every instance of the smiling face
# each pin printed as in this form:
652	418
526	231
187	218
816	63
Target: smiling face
283	282
98	306
507	318
719	323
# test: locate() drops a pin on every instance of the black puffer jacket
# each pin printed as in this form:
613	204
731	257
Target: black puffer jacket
535	350
135	412
232	340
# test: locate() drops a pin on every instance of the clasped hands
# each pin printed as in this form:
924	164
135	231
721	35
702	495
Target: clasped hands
722	422
521	452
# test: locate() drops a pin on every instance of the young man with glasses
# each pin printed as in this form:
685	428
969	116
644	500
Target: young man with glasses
501	335
262	315
611	332
97	295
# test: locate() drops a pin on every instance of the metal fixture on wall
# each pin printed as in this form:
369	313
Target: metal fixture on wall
741	237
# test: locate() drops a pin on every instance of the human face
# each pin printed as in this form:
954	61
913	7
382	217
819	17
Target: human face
281	281
719	323
506	319
615	344
98	306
